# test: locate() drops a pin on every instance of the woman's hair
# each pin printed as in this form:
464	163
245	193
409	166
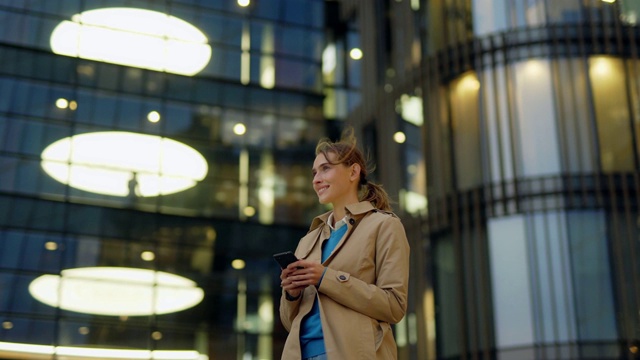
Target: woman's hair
347	153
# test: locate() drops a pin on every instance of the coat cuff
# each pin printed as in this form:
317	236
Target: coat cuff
291	298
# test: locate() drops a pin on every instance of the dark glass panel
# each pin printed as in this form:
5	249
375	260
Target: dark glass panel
129	114
225	64
103	110
298	74
222	30
30	331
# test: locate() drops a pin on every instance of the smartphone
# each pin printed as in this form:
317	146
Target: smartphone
285	258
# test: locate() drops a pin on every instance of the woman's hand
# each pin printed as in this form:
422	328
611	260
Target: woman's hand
294	280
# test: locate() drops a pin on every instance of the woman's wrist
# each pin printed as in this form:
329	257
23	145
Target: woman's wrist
291	297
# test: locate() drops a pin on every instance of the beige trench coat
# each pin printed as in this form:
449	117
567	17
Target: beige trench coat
363	291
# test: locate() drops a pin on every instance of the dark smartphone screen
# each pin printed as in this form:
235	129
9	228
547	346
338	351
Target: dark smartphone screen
285	258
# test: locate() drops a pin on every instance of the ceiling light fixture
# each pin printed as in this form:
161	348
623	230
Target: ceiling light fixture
133	37
115	163
116	291
19	350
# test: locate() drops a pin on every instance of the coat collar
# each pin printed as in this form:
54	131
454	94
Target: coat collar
354	210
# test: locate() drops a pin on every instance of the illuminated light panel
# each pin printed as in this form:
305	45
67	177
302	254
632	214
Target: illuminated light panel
133	37
69	352
412	109
399	137
356	54
116	291
111	162
329	59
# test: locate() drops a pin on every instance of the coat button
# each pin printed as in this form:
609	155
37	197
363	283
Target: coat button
342	277
351	221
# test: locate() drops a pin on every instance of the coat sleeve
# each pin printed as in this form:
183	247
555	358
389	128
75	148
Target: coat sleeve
386	299
288	310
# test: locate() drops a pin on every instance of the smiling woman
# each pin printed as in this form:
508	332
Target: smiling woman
133	37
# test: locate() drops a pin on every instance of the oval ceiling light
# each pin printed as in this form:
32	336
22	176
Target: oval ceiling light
133	37
124	164
9	350
116	291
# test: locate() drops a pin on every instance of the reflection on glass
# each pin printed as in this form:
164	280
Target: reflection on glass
116	291
133	37
536	124
267	61
609	85
124	164
466	131
510	277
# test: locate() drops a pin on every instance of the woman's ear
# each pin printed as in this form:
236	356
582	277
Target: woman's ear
355	172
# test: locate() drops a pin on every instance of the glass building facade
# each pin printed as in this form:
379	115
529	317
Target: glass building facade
518	121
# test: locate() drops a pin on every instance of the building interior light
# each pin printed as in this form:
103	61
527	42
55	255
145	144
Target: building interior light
411	109
239	129
356	54
133	37
413	202
62	103
329	59
116	291
153	116
148	255
20	350
469	81
399	137
249	211
238	264
244	3
601	66
124	164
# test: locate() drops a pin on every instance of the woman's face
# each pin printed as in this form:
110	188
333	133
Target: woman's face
334	183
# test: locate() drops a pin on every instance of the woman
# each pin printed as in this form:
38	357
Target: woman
354	266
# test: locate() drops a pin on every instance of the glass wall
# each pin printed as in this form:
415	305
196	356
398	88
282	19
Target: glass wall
531	151
153	155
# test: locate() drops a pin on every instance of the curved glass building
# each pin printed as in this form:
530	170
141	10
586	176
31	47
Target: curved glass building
529	113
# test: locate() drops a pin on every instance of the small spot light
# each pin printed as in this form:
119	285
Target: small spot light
356	54
238	264
244	3
156	335
153	116
83	330
239	129
73	105
62	103
7	325
147	256
51	246
399	137
249	211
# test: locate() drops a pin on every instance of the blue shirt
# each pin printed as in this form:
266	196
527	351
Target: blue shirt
311	337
